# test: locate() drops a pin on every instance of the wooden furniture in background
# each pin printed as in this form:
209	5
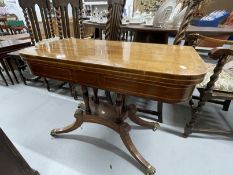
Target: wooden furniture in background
5	48
11	161
113	32
63	20
165	32
32	20
209	92
137	69
192	6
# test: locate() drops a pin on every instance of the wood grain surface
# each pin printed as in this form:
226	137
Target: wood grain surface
161	72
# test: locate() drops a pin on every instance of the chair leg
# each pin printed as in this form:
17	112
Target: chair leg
12	70
190	125
96	98
5	68
20	71
47	84
109	98
4	79
160	112
226	105
73	92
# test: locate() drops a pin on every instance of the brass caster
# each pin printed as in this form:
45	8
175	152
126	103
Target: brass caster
156	126
150	170
53	132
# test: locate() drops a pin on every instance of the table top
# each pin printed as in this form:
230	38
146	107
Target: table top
23	36
133	57
223	30
11	45
160	72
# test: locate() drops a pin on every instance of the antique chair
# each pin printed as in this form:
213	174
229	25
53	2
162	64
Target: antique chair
39	33
65	30
4	29
36	32
112	32
63	19
218	83
192	5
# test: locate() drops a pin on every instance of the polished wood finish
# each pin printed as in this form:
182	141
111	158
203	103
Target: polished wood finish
113	30
32	20
63	19
137	69
208	94
135	62
11	161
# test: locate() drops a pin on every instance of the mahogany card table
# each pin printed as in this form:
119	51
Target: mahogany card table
152	71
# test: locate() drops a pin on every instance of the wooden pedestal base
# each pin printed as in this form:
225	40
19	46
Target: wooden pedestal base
94	111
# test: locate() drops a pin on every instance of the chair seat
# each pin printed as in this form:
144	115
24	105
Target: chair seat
224	82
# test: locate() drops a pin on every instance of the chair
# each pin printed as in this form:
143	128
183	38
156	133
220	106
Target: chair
63	23
217	85
63	20
112	32
39	33
32	22
192	5
36	31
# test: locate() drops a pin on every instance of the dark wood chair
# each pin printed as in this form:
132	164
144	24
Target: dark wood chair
39	33
36	31
192	5
63	23
63	19
11	161
32	22
217	86
112	32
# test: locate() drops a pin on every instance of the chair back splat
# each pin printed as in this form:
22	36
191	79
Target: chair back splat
32	22
63	19
113	26
192	6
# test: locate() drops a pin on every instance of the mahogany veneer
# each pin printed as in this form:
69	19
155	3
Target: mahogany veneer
160	72
168	73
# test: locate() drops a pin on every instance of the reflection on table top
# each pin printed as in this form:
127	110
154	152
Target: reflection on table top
140	58
224	30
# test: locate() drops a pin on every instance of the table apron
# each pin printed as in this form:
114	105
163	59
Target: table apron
155	90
